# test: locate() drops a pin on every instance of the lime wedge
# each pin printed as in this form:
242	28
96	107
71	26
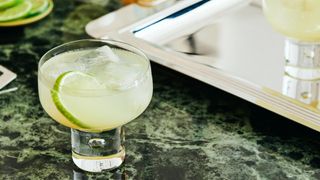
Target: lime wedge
7	3
38	6
20	10
66	103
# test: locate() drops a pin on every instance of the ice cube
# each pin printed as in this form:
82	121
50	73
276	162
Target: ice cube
117	75
57	69
106	51
99	56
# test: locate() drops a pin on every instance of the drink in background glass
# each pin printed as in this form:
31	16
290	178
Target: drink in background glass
95	87
299	21
150	2
296	19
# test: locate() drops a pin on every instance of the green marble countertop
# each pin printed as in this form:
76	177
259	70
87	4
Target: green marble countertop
189	131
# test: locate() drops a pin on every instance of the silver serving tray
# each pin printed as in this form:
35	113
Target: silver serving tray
225	43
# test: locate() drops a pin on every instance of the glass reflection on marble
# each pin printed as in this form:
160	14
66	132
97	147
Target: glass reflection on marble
118	174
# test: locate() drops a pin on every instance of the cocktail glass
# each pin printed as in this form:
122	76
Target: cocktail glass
94	87
299	21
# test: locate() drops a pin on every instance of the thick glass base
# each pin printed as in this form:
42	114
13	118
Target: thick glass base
96	152
98	164
302	72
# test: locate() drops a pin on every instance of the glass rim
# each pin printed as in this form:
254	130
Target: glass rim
141	77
